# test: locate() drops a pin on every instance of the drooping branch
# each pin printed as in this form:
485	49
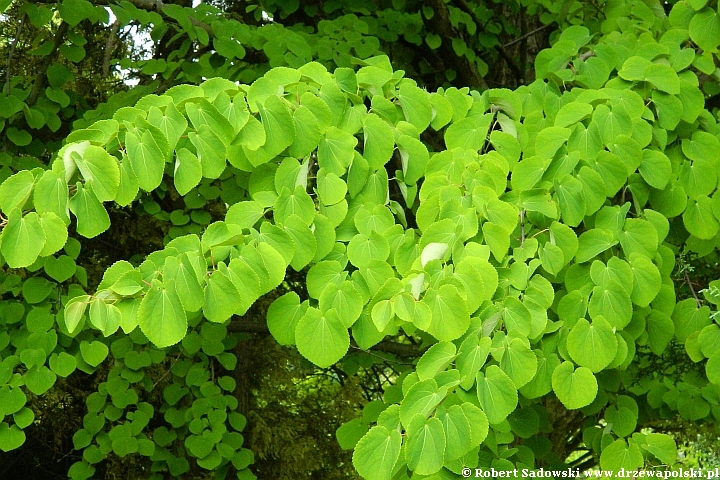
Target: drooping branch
385	346
499	48
109	45
41	77
440	24
11	53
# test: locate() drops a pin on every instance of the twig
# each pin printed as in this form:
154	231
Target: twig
166	372
686	277
109	45
527	35
12	52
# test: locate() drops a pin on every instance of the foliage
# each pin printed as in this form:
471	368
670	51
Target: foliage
525	240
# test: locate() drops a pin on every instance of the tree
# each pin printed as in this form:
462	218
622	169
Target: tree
498	257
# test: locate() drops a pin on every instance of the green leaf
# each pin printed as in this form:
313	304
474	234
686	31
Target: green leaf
569	191
350	433
321	337
592	243
363	249
170	122
435	360
56	234
336	151
457	430
161	316
450	316
704	29
51	195
663	77
93	352
62	364
182	272
421	399
425	445
571	113
92	218
307	132
469	133
549	140
15	191
575	388
100	170
283	315
279	130
22	239
618	455
222	298
345	300
377	452
331	188
655	168
294	202
211	152
416	106
188	171
496	393
39	379
699	219
11	437
146	158
518	362
378	141
471	357
304	241
592	345
662	446
612	302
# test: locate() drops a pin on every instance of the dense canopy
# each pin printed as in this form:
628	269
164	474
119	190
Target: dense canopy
480	235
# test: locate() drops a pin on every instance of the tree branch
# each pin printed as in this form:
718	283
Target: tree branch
400	349
11	53
500	49
41	77
528	35
467	71
109	45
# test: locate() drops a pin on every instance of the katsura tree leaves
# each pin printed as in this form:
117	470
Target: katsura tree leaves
222	297
92	218
575	388
15	191
321	337
435	360
22	239
468	133
450	316
420	400
377	452
619	455
161	315
592	345
146	157
592	243
425	447
496	393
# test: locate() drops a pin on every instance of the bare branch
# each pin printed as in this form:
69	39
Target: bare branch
109	45
528	35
